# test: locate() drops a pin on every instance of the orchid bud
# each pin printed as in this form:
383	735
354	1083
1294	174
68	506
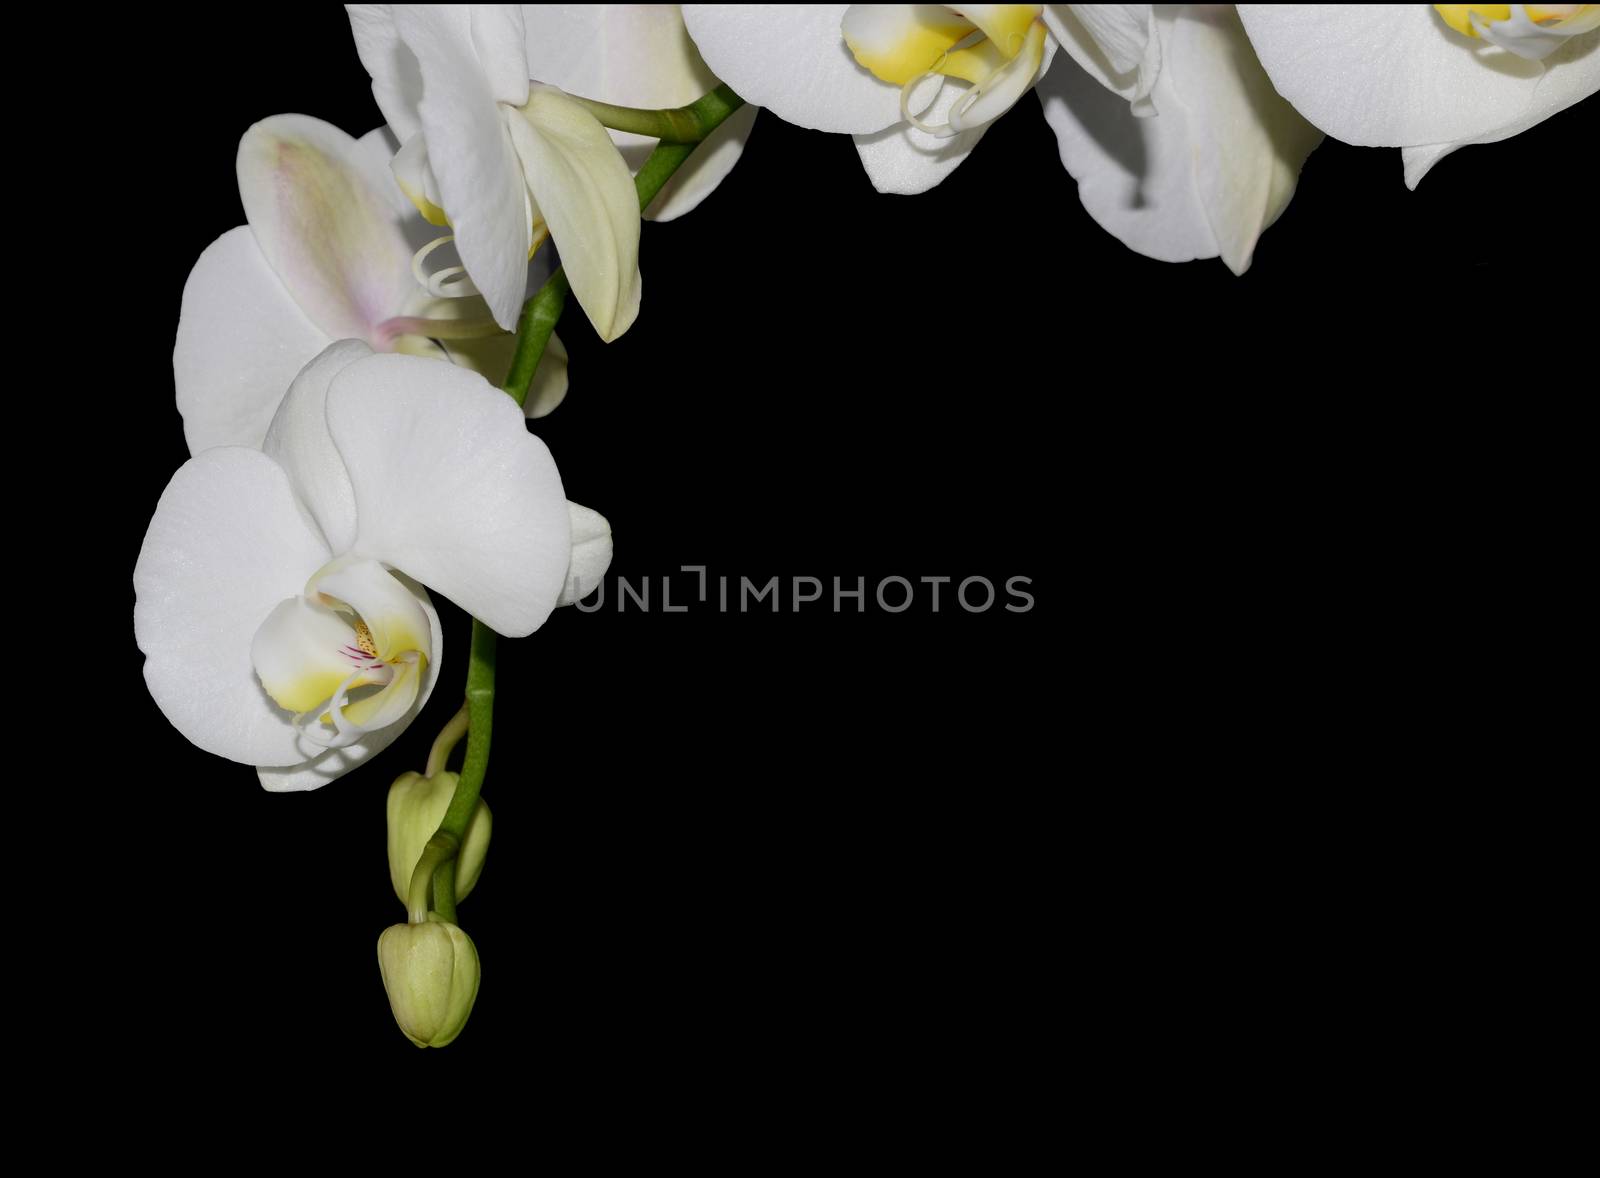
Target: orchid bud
430	971
416	807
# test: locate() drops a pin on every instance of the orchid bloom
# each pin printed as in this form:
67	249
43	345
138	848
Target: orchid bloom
502	162
280	604
916	84
1200	162
637	55
888	75
324	256
1427	78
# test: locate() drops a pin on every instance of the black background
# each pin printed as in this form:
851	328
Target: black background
734	852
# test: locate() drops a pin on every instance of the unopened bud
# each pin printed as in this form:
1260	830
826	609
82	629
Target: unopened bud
431	973
416	807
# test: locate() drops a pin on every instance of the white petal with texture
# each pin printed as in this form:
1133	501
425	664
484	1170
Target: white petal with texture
1116	43
792	59
328	235
396	77
1572	73
1135	176
226	545
1247	144
299	442
1387	75
587	197
241	340
470	153
499	38
591	553
451	488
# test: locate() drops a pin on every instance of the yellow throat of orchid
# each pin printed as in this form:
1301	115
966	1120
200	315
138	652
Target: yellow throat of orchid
1528	30
996	48
356	627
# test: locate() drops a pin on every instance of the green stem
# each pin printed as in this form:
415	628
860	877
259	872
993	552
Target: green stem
534	328
682	124
444	744
480	728
441	850
539	314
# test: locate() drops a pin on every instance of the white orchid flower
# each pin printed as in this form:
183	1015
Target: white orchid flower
325	256
1428	78
1216	164
892	75
913	84
637	55
280	605
502	162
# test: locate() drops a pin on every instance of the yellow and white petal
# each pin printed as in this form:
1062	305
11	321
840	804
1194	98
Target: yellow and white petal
451	488
227	544
586	195
470	153
792	59
396	77
899	43
324	764
1572	74
241	340
1115	43
411	173
304	653
1387	75
327	234
591	553
396	625
1247	145
299	442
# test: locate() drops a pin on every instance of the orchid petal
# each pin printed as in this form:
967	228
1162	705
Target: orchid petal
500	40
470	153
451	488
905	159
637	55
326	233
396	76
330	764
1135	175
591	553
1116	43
898	43
1572	73
792	59
587	197
241	340
227	544
300	654
299	442
1389	75
1247	144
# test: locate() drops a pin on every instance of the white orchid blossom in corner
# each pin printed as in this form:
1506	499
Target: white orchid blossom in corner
637	55
1201	162
1428	78
279	591
500	161
325	256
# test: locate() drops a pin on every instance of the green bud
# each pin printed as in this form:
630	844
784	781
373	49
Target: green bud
416	807
431	973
